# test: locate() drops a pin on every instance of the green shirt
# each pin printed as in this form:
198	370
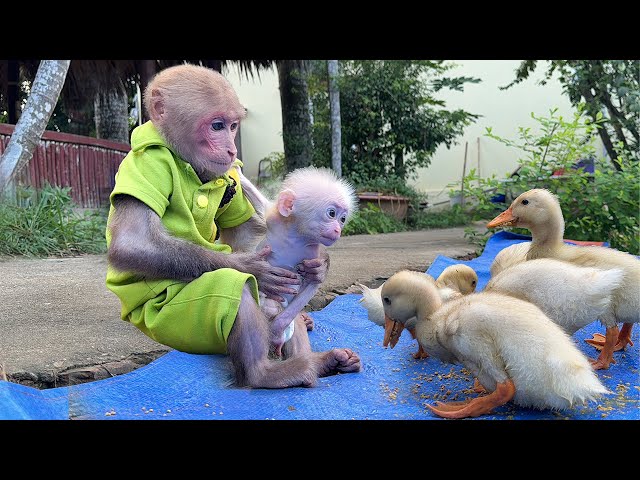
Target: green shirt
156	175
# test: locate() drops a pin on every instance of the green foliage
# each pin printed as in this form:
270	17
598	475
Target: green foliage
392	121
44	223
371	220
604	206
611	86
451	217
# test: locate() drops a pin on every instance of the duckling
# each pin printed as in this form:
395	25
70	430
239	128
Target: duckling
509	256
459	278
513	348
539	211
454	281
571	296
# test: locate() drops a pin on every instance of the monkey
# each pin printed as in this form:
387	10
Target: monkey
307	216
174	191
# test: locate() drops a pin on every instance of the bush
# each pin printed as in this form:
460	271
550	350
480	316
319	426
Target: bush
44	223
452	217
370	220
603	206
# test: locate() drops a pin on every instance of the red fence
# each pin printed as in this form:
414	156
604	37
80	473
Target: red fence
87	165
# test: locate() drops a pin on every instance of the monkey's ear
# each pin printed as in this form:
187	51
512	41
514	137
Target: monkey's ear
157	105
286	199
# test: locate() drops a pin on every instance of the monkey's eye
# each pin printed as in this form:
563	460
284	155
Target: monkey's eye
343	219
386	300
331	212
525	202
217	125
234	126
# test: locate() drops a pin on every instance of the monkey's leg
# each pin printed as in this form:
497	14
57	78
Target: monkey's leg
248	347
338	360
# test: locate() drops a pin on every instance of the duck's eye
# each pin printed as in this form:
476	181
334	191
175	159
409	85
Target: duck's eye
386	300
217	125
473	283
525	202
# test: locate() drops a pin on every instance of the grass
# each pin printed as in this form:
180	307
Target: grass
44	223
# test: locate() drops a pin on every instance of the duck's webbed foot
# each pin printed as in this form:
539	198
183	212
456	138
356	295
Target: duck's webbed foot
477	406
606	350
420	353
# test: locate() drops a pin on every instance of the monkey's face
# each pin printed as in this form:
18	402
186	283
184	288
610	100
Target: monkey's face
214	139
326	224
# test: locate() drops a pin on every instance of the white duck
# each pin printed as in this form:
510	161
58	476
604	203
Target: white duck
455	280
571	296
513	348
539	211
508	257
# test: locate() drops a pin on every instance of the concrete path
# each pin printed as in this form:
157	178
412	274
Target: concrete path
59	324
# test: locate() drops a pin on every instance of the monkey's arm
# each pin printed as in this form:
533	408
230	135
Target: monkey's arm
315	269
282	320
257	199
140	243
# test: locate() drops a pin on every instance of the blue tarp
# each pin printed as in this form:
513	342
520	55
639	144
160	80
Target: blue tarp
392	384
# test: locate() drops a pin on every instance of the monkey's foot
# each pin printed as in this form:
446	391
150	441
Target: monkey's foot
477	386
420	353
624	339
478	406
308	321
338	360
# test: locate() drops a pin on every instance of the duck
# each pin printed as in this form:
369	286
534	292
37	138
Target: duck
454	281
571	296
509	256
539	211
517	353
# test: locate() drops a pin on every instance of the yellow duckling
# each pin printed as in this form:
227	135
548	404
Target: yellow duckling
513	348
539	211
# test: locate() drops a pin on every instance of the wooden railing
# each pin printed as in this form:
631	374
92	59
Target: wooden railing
87	165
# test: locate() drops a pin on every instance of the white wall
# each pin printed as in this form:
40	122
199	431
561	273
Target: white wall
261	130
503	110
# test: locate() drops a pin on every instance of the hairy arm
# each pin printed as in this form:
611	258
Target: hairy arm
140	243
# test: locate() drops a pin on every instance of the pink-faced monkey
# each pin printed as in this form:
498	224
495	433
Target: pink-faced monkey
174	191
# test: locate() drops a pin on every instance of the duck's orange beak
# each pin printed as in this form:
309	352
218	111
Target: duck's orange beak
505	218
392	331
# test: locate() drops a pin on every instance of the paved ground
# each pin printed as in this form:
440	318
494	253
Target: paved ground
60	325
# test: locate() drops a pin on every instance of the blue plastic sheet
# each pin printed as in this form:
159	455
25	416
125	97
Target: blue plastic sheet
392	384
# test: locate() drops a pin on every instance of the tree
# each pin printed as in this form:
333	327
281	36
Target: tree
392	121
40	104
610	88
111	107
336	128
296	123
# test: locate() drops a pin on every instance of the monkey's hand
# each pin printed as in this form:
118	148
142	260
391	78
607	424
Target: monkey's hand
315	270
272	281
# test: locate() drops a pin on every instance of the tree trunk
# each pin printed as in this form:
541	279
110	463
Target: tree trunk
296	126
336	127
112	115
593	109
147	69
44	95
401	172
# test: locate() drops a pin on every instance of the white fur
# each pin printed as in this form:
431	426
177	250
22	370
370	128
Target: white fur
497	337
509	256
569	295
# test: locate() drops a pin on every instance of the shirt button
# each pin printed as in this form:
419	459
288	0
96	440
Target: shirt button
202	201
219	182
